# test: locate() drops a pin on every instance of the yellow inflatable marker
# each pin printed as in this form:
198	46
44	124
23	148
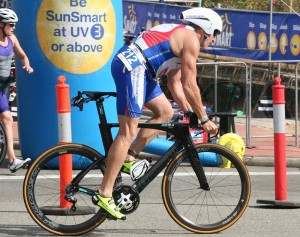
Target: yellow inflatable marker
235	143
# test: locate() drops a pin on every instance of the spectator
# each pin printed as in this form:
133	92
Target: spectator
9	45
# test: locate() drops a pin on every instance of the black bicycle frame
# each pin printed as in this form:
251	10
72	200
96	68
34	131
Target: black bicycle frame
183	140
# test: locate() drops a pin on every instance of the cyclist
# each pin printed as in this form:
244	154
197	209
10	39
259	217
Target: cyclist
167	49
9	45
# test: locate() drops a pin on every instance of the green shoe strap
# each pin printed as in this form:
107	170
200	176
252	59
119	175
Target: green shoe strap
127	164
109	206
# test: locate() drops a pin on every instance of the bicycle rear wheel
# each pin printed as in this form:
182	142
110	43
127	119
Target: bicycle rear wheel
203	211
3	144
42	195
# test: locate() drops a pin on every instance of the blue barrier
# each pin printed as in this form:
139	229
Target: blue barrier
158	146
76	39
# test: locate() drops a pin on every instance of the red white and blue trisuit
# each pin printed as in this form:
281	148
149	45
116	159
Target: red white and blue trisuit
135	67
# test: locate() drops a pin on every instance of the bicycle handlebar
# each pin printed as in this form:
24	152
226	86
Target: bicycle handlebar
194	121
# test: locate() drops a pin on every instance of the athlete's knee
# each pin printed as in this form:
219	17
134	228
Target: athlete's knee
126	138
6	118
126	135
168	114
164	115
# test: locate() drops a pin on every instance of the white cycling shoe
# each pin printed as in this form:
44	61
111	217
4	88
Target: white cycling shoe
18	164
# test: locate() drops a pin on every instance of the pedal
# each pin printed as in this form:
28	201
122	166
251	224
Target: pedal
95	199
111	218
108	216
25	166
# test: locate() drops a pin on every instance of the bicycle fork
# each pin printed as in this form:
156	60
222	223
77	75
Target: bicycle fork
195	161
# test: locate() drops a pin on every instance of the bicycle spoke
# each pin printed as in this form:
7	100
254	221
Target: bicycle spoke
49	207
206	211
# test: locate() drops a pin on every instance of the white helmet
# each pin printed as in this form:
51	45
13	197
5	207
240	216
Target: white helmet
8	16
207	19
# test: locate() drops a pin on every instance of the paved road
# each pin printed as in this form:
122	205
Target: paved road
151	219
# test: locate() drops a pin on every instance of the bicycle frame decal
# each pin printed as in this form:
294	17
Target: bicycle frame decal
167	125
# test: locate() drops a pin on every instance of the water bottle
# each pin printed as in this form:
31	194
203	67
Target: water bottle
139	168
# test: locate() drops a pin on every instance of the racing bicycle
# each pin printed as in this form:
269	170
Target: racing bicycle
200	198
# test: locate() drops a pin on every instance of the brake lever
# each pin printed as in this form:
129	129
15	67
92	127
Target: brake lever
194	123
214	136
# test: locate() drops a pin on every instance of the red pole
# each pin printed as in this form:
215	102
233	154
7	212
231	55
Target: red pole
279	140
65	136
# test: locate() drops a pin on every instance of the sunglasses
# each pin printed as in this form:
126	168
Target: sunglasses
12	24
216	32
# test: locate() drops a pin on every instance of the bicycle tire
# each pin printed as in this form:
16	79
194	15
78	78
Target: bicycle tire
41	192
201	211
3	144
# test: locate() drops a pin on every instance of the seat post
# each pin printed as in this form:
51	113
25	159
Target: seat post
105	129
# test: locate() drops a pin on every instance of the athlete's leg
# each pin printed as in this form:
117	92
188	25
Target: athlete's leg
118	152
7	122
130	100
162	113
157	102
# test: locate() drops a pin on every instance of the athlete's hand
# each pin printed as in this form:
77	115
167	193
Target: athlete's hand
210	127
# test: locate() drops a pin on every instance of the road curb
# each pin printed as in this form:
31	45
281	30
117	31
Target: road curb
249	161
269	162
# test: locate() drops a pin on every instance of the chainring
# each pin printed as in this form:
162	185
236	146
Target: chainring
126	198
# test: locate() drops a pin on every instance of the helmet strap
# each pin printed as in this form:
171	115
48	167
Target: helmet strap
203	41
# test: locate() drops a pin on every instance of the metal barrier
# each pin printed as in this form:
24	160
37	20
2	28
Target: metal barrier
216	64
296	103
248	91
248	102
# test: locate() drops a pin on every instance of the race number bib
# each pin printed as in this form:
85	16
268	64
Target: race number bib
132	58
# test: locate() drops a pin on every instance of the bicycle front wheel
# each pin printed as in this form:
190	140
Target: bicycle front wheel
43	196
203	211
3	144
